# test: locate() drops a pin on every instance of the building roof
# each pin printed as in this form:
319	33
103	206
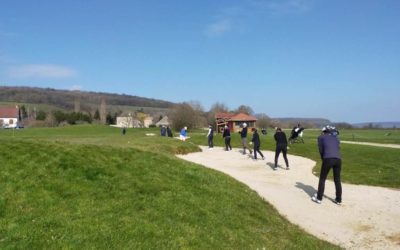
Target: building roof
9	112
163	121
241	117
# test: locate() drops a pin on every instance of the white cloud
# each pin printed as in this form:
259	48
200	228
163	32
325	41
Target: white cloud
76	87
41	71
219	28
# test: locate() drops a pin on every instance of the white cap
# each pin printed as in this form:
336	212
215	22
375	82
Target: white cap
244	125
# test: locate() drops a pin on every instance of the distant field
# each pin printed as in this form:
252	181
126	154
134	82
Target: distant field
90	187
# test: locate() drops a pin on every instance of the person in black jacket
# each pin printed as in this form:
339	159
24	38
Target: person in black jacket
227	136
243	135
256	143
169	131
281	146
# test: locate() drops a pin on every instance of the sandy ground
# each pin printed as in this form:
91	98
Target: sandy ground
369	217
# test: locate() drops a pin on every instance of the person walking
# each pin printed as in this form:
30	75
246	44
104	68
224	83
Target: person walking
329	149
210	137
281	146
227	136
256	144
243	135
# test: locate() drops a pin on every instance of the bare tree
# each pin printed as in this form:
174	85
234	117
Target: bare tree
263	120
183	115
103	111
215	109
245	109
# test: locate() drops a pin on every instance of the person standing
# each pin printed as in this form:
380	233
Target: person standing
169	131
256	144
243	135
183	134
329	149
227	136
210	137
163	130
281	146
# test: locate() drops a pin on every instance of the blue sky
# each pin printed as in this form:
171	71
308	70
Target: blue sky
338	60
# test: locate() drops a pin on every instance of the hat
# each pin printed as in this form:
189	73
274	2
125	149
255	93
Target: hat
244	125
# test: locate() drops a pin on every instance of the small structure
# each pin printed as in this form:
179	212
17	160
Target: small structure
163	122
234	121
133	122
9	117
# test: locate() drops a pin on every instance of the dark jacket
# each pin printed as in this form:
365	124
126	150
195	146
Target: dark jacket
243	133
329	146
256	139
226	133
280	138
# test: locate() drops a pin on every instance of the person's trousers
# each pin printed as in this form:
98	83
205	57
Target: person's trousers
336	165
244	142
278	150
257	149
210	142
228	143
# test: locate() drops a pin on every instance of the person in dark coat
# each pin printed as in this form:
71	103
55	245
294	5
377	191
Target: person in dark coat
329	149
227	136
169	131
256	143
243	136
281	146
163	130
210	137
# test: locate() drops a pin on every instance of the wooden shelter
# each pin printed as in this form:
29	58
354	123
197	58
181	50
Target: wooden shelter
234	121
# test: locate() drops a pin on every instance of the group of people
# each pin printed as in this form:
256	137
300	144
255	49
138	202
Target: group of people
166	131
328	146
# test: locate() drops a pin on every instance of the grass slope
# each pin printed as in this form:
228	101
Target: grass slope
87	194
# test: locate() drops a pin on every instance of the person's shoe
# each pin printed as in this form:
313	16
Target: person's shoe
275	168
263	158
315	199
287	168
338	202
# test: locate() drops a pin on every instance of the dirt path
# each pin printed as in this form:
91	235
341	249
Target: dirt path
369	217
373	144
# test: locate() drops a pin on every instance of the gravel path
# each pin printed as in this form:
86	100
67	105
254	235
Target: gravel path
369	217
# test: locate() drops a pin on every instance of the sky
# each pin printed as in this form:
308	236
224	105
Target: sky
338	60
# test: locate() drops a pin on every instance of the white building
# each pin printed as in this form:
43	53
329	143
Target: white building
9	117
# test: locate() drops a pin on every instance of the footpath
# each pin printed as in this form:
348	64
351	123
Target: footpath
369	217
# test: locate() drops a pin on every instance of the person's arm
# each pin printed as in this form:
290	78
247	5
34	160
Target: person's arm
209	132
321	146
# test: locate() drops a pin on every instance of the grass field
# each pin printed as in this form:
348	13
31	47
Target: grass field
89	187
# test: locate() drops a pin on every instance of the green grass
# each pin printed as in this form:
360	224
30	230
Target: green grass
89	187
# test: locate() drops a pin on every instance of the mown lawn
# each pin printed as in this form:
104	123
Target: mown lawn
89	187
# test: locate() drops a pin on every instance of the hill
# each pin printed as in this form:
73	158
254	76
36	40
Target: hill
67	100
305	122
377	125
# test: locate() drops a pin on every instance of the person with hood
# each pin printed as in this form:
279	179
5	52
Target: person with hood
243	136
227	136
329	149
281	146
210	137
163	130
256	143
183	134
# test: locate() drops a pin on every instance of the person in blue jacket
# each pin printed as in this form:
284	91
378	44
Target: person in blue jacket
183	134
329	149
